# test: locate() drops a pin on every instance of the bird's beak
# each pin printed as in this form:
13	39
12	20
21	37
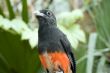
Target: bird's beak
38	13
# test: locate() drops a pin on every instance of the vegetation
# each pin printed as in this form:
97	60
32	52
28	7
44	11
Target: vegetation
86	25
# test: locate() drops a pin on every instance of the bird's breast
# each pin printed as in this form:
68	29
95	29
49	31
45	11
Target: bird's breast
56	61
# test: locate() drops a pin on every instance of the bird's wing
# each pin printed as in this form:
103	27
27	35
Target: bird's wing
67	47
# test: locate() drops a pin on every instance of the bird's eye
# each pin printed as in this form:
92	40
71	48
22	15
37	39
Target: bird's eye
48	13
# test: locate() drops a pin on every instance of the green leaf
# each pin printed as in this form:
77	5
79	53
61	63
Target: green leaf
5	23
74	35
1	12
67	24
18	54
4	66
101	64
32	36
17	26
68	19
90	55
25	11
10	9
101	16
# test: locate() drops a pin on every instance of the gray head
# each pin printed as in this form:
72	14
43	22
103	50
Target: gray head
45	18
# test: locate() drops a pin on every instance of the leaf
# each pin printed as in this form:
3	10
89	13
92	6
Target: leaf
10	9
32	36
1	12
19	26
19	55
74	35
4	66
67	24
101	64
69	18
91	50
100	16
5	23
25	11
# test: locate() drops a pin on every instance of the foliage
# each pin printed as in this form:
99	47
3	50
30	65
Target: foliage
100	15
25	11
10	9
16	55
102	21
17	26
67	23
18	40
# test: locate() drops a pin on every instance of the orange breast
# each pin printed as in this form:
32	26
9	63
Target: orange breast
55	60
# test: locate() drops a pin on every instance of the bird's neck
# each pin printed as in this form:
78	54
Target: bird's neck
45	29
43	26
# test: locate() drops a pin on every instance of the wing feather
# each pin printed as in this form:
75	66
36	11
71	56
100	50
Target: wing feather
67	47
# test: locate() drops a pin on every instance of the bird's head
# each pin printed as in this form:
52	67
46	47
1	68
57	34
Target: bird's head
45	18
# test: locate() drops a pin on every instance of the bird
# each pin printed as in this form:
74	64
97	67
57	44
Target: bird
55	51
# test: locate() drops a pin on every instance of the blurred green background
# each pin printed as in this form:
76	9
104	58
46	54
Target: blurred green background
85	22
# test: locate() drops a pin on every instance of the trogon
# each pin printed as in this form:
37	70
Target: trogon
54	49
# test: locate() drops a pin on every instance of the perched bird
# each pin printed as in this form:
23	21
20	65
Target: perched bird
54	49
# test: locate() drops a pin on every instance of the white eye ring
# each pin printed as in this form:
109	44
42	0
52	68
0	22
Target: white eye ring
48	13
